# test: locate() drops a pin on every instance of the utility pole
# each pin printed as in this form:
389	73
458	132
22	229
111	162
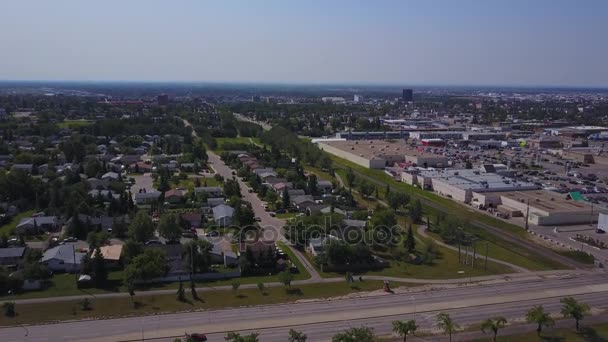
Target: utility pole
527	214
474	254
485	266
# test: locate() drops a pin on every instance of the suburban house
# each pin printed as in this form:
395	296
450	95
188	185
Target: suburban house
140	167
33	225
211	191
301	202
96	183
293	193
215	201
281	186
111	176
222	214
12	256
111	254
23	167
256	247
62	258
99	222
194	219
222	252
105	194
187	167
324	186
175	196
147	197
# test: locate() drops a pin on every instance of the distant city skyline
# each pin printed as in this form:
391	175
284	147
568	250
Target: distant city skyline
388	42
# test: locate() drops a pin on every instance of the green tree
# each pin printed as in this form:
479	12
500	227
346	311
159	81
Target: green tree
286	199
416	211
493	324
350	178
361	334
100	270
397	200
181	293
286	278
410	240
541	318
445	323
197	255
261	287
150	264
404	328
236	337
312	184
141	228
366	188
296	336
571	308
168	227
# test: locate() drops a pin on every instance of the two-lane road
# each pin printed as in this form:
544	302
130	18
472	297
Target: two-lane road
321	319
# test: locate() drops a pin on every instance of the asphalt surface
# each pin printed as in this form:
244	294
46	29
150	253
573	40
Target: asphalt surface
321	319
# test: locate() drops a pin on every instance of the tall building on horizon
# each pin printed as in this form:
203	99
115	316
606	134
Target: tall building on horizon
408	95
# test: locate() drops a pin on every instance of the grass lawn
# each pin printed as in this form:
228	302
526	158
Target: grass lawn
517	254
144	305
9	227
74	123
286	215
238	140
446	266
303	272
597	332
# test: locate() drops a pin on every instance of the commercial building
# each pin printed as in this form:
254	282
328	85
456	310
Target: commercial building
484	135
445	135
376	154
373	135
547	208
464	185
587	155
407	95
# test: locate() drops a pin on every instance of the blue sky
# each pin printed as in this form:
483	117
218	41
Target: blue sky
438	42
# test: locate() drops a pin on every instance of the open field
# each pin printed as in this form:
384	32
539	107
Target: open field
222	142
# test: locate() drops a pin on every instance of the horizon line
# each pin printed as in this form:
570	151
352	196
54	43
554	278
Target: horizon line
318	84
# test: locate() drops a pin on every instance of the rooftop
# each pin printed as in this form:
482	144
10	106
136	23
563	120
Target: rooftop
377	149
547	201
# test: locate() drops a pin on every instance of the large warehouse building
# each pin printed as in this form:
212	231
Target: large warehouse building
548	208
463	185
375	154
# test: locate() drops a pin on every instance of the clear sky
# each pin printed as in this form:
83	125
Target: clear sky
438	42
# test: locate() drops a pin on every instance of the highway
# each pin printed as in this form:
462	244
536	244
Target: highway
323	318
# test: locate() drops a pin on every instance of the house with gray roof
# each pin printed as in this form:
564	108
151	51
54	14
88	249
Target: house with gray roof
222	214
12	256
63	258
33	225
147	197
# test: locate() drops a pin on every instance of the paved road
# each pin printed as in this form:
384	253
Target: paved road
272	226
321	319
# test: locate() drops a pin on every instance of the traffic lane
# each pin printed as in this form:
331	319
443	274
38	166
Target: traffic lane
272	313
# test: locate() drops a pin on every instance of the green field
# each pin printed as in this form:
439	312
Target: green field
147	305
9	227
239	140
